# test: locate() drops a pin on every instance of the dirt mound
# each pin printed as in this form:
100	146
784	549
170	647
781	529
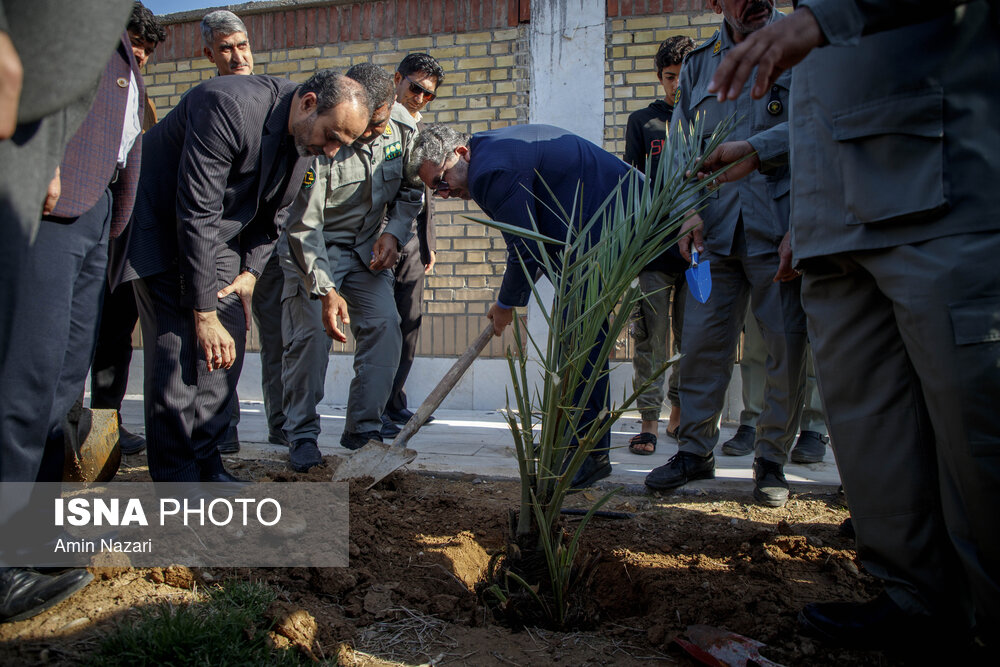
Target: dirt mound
419	544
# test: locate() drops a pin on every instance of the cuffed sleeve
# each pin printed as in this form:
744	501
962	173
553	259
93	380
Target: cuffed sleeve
304	230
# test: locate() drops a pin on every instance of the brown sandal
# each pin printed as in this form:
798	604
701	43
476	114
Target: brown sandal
635	444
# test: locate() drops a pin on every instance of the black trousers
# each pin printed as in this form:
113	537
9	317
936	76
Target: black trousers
52	343
409	295
187	408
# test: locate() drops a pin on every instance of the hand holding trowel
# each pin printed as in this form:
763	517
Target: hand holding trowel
699	276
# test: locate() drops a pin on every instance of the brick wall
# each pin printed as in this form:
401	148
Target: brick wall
483	48
483	51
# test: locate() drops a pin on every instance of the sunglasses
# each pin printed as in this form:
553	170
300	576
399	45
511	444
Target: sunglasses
417	89
442	187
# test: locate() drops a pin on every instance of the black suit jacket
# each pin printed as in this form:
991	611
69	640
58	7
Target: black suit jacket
211	172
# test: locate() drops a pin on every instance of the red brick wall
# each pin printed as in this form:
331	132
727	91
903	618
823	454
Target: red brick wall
617	8
317	24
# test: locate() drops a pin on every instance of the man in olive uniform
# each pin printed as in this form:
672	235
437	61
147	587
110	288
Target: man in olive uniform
744	223
339	267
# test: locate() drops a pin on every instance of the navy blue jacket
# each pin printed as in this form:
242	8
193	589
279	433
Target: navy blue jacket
506	171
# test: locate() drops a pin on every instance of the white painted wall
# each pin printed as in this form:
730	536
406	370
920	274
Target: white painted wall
567	45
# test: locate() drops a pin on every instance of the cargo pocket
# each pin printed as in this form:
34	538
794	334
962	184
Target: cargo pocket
976	324
891	155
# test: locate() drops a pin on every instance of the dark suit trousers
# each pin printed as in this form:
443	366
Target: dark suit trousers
52	344
409	295
109	373
187	408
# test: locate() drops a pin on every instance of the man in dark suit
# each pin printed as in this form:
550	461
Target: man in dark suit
522	175
53	322
113	355
227	159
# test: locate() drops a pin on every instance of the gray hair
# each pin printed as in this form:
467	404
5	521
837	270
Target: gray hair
377	82
434	144
332	88
220	22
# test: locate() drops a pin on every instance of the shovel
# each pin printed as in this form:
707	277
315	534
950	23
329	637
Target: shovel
377	459
721	648
699	278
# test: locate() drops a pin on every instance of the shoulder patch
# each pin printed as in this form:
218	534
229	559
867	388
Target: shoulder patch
393	150
309	179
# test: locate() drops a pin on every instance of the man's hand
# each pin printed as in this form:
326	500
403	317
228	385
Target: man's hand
215	341
243	286
385	253
335	307
52	194
691	233
726	154
501	317
11	80
785	271
430	265
772	50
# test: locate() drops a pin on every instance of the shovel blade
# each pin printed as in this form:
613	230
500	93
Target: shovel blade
376	460
699	278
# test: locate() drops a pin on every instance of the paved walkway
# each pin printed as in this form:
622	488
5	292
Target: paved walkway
479	443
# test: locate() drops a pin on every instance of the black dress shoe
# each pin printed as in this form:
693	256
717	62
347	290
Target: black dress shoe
742	443
770	486
358	440
230	443
595	467
304	454
810	447
25	593
877	624
222	477
404	415
130	443
389	428
682	468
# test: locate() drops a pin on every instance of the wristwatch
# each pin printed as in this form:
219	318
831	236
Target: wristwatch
253	272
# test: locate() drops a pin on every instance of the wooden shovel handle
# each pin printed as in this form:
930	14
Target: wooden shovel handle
446	384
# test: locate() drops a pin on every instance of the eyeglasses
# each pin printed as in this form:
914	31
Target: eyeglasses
417	89
442	188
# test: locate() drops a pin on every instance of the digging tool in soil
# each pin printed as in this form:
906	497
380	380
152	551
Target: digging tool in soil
377	459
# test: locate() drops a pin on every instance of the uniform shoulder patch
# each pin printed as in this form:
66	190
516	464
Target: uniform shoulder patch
309	179
393	150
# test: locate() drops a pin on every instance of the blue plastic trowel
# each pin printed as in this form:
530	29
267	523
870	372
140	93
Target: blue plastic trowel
699	278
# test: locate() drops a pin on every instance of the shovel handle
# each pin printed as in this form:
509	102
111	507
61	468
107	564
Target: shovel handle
446	384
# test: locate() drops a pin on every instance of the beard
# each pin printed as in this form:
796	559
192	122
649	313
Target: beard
743	25
300	135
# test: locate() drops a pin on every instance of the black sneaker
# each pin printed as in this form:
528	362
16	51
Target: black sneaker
389	428
770	487
742	443
682	468
130	443
810	447
358	440
595	467
304	454
230	443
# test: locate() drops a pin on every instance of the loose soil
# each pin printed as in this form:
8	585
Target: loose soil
419	544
